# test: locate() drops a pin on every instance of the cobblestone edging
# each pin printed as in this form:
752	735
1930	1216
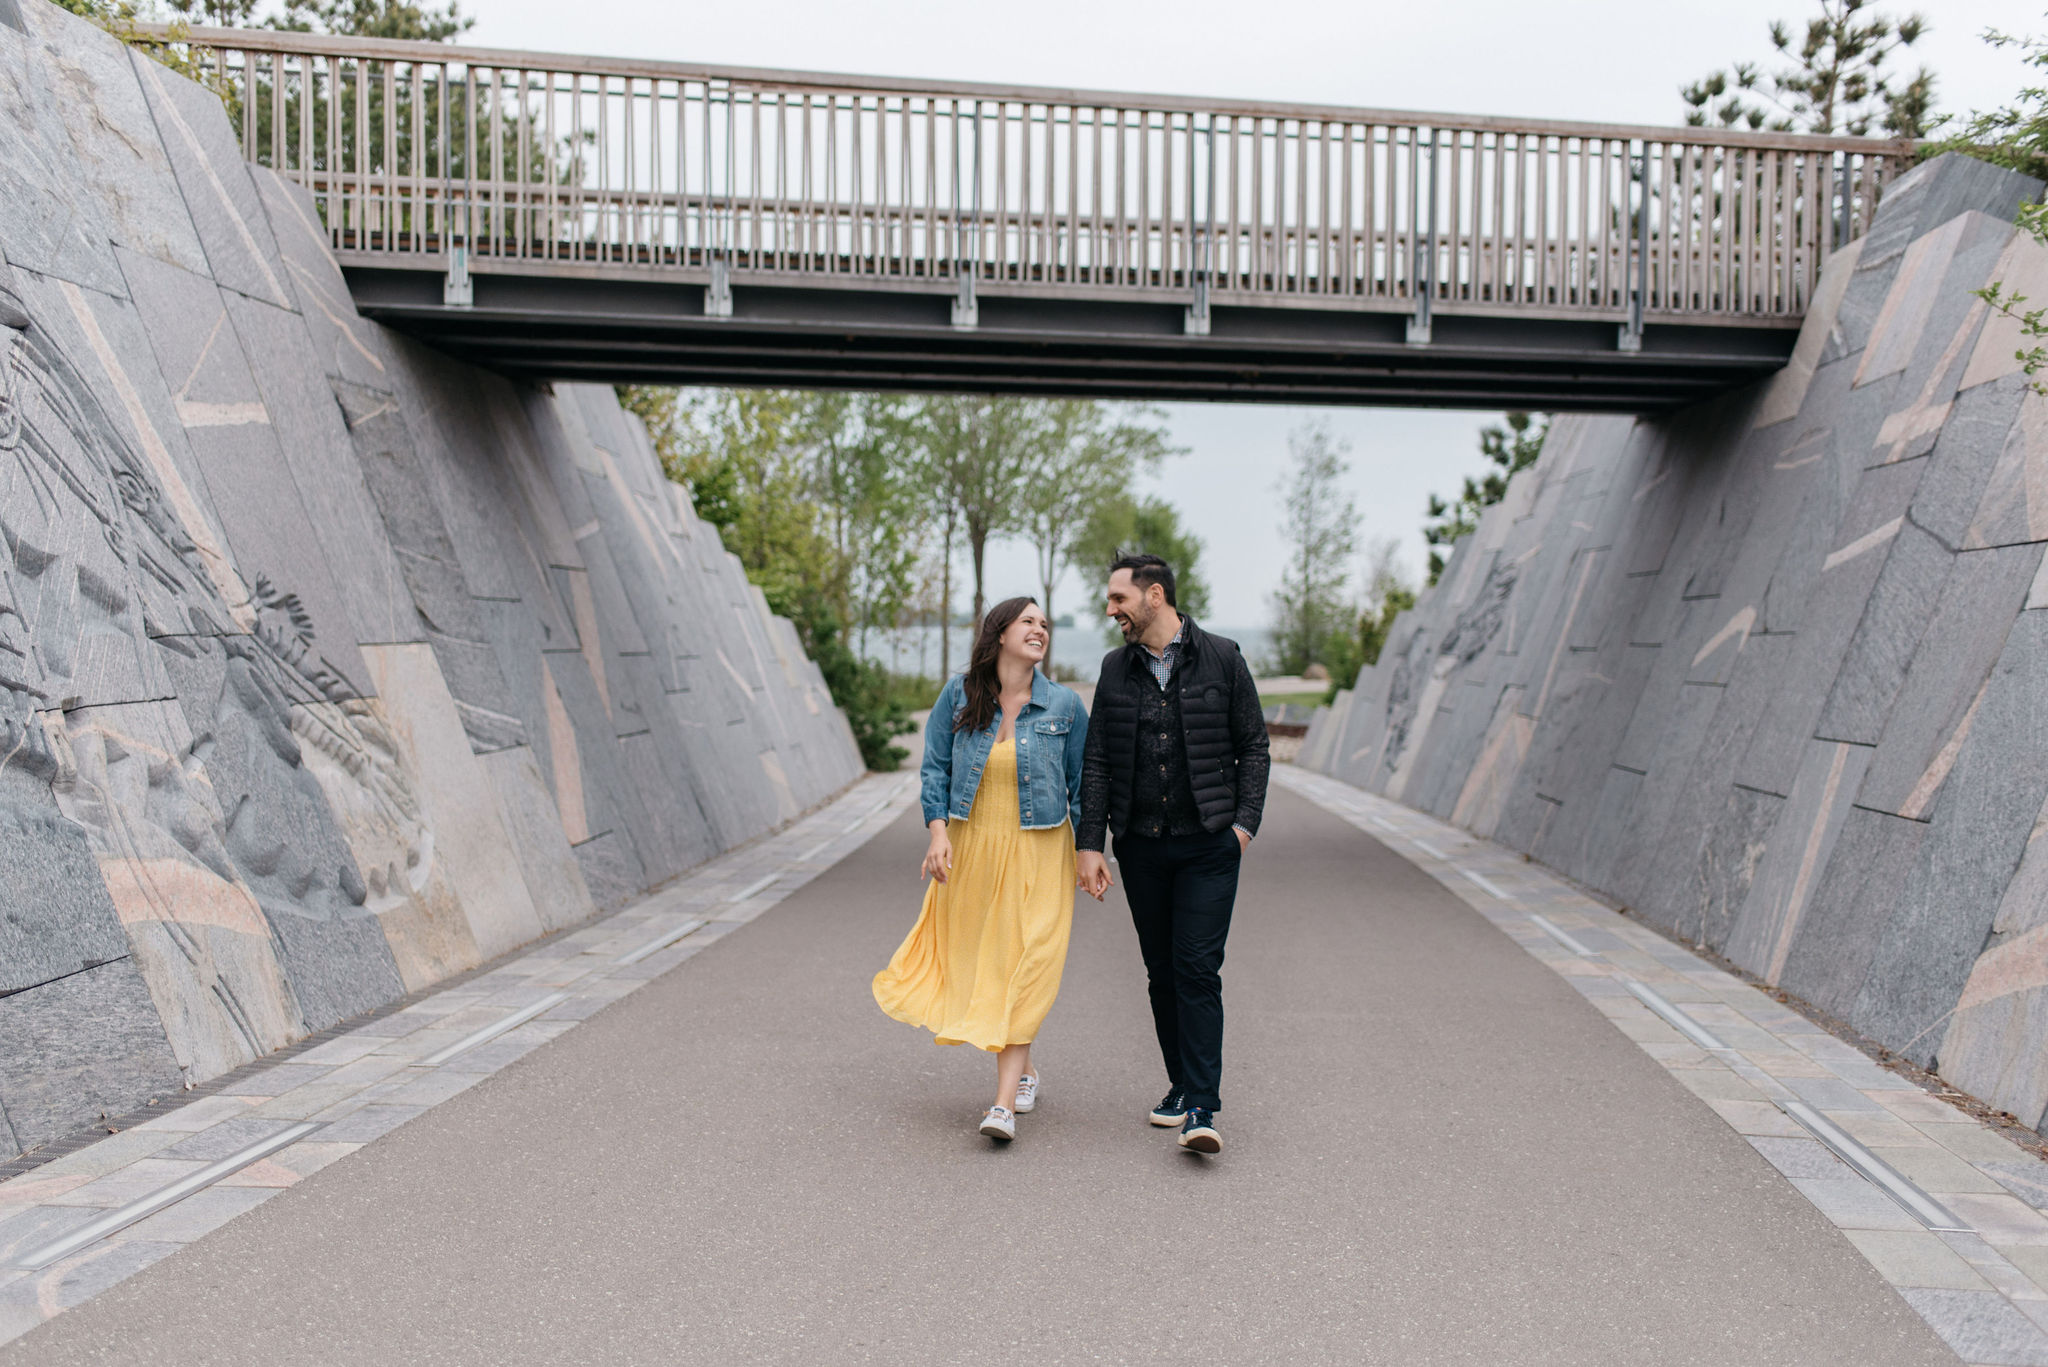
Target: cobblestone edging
1982	1286
369	1080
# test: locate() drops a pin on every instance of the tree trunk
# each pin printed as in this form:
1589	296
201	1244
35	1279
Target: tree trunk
977	543
946	599
1048	560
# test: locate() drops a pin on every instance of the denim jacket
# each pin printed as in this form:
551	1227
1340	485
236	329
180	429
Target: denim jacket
1051	733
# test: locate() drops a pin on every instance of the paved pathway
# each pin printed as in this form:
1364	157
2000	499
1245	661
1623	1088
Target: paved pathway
1442	1150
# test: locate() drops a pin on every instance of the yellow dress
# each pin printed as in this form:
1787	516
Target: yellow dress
982	965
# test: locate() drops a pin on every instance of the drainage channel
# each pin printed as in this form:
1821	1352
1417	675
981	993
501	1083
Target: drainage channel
495	1029
658	943
142	1208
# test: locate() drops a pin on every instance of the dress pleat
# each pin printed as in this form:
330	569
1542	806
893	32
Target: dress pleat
982	965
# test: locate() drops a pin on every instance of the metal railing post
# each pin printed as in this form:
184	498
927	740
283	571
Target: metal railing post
1422	271
1631	336
966	308
718	296
1845	216
458	291
1196	321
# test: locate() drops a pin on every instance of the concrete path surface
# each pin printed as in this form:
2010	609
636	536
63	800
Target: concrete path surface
1437	1152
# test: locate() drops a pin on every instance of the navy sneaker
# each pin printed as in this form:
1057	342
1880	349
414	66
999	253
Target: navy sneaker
1198	1132
1172	1108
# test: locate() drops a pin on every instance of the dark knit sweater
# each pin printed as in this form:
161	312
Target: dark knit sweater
1162	800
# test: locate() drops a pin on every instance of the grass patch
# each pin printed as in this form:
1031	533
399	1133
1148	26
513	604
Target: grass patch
1314	699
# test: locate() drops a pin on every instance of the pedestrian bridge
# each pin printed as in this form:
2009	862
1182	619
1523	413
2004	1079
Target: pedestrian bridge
557	217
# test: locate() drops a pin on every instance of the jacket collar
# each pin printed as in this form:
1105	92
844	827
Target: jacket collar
1041	698
1190	646
1041	690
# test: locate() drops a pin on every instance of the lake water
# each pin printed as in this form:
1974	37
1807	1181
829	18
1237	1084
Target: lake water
915	650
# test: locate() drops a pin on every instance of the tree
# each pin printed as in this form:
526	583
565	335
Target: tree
363	18
1086	456
981	448
1508	449
2016	136
803	489
1150	525
1321	528
1835	79
2013	135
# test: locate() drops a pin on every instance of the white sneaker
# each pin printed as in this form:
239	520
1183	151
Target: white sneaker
999	1123
1027	1092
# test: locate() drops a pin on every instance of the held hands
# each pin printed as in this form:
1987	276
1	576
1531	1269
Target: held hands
1091	873
938	860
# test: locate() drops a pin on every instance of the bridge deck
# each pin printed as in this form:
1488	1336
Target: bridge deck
856	230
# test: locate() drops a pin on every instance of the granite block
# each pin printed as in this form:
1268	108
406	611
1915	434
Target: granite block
404	490
1935	708
1851	908
2014	506
97	574
349	347
133	777
233	229
1841	565
1992	1046
57	919
1973	846
1980	428
97	100
1938	189
84	1046
263	521
455	799
46	225
1980	1326
314	443
1915	568
546	862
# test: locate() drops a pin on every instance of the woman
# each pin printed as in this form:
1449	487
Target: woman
1002	786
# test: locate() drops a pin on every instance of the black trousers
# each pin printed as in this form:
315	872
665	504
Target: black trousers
1181	889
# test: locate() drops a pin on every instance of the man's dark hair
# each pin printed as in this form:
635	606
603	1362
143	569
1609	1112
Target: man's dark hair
1146	569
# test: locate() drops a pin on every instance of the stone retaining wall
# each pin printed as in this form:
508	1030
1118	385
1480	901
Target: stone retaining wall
1773	672
328	667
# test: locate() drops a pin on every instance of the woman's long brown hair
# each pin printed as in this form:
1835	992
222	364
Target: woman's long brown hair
983	687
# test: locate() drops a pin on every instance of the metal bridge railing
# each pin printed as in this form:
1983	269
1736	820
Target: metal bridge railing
576	165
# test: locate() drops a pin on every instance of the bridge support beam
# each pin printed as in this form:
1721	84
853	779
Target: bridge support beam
636	329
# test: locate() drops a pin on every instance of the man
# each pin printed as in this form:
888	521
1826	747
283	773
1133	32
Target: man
1175	767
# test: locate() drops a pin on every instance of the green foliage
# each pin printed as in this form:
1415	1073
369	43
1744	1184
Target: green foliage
1833	79
1508	449
2033	220
841	506
1312	623
1085	457
2016	136
364	18
1149	524
871	697
2013	135
1387	595
814	493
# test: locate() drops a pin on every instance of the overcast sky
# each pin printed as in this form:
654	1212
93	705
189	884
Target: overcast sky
1618	61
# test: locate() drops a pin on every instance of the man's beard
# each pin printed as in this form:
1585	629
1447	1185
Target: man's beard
1134	623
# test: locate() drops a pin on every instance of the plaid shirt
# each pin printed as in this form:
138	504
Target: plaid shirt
1162	664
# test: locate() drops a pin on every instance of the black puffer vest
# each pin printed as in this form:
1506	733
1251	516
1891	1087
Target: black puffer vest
1206	674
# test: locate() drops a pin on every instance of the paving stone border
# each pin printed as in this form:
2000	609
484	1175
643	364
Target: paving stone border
1983	1287
367	1081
